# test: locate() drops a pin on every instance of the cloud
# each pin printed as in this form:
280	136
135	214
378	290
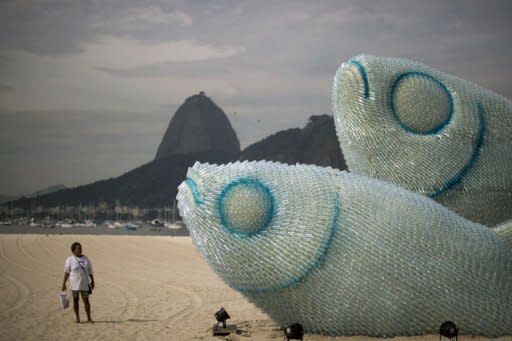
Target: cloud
5	88
137	18
117	53
62	27
44	27
74	81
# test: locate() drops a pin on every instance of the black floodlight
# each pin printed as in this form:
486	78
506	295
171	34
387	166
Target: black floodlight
221	316
294	332
449	329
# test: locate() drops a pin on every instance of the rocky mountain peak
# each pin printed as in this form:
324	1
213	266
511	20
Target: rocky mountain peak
316	143
199	125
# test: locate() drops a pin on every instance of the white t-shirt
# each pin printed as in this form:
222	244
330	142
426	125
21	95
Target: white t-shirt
78	277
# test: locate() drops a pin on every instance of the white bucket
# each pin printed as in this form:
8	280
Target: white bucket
64	300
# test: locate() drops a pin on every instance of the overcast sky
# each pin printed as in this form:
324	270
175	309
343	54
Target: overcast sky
87	88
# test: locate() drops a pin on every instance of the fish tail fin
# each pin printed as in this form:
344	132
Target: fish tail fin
504	231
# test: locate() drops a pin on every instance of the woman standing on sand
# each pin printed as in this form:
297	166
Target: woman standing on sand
78	268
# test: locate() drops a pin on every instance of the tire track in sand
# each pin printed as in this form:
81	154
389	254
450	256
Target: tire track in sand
23	290
40	266
49	246
22	296
34	260
196	300
186	313
26	293
3	254
130	298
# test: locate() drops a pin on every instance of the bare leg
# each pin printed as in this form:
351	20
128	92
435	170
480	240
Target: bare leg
87	306
75	308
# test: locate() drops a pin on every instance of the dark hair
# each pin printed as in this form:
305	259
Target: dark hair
75	245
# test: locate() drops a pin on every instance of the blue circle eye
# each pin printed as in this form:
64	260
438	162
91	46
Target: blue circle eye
246	207
420	103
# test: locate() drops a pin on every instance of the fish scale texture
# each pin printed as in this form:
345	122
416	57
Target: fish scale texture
344	254
444	137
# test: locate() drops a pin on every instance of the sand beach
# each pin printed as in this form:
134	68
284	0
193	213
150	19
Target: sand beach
147	288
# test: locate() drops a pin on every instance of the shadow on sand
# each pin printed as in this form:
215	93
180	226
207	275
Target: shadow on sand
129	320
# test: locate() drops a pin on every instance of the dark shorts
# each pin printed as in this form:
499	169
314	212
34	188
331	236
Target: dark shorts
83	293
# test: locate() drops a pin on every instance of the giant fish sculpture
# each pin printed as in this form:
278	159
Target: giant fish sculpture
344	254
432	133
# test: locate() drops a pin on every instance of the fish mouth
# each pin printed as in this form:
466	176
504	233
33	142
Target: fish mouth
191	196
188	199
191	184
353	77
189	191
364	77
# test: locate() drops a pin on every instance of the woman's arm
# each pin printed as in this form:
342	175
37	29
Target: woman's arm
90	271
92	281
66	276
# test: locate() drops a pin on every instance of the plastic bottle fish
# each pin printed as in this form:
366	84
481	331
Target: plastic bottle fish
432	133
344	254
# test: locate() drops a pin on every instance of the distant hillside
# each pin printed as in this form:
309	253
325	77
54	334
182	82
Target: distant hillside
199	125
6	198
316	144
48	190
150	185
